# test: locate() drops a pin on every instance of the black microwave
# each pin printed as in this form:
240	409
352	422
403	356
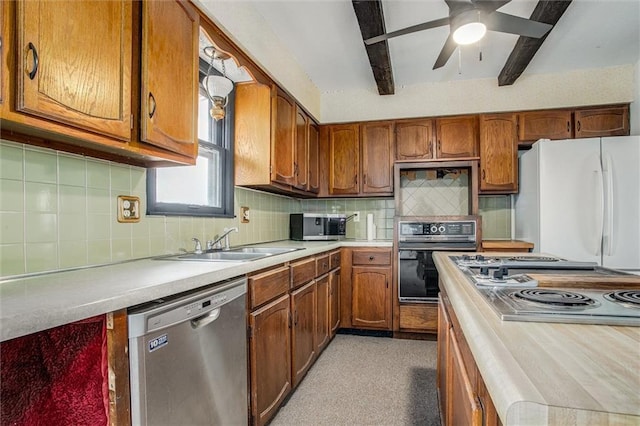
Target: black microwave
317	226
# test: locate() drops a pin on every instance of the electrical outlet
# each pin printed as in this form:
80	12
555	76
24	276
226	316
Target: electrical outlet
128	208
356	216
244	214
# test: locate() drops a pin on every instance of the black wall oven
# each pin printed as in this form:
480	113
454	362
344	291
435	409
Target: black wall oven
418	238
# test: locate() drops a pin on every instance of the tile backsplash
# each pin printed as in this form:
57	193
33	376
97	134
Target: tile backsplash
58	211
426	193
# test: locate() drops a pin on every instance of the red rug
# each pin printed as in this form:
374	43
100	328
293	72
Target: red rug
56	377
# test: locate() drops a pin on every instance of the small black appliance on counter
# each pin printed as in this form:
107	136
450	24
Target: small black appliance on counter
317	226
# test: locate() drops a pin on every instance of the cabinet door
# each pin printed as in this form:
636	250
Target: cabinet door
270	358
301	165
344	159
465	408
602	122
169	98
322	313
371	297
303	303
284	144
443	368
334	301
67	72
457	137
536	125
414	140
498	153
377	158
314	159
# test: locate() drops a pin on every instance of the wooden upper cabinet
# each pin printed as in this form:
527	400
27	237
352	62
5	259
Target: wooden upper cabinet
344	159
613	121
498	153
314	159
284	143
301	164
457	137
377	158
414	140
68	73
169	97
534	125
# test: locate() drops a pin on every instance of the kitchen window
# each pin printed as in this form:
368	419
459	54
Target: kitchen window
205	189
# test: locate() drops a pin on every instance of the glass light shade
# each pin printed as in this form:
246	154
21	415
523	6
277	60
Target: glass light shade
469	33
217	86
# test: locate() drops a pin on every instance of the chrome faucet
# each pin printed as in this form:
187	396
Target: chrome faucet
216	243
198	247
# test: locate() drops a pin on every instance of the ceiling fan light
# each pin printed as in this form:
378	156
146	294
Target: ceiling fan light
469	33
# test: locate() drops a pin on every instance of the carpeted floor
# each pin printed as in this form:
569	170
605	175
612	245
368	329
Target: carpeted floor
367	381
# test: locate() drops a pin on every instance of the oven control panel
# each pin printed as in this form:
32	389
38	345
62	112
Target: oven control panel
441	230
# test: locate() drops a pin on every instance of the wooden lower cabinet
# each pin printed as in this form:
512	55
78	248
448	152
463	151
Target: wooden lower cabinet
334	302
322	313
419	317
303	311
270	358
371	297
464	398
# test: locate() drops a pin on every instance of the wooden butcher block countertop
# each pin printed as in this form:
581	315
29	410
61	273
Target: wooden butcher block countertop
548	373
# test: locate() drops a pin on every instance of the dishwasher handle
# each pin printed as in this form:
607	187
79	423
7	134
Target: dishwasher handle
205	319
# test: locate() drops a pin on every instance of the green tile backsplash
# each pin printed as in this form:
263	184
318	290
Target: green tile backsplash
58	211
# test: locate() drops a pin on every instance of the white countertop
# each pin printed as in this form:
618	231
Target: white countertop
34	303
548	373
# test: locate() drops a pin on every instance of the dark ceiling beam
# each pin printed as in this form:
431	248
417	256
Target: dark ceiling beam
371	21
525	49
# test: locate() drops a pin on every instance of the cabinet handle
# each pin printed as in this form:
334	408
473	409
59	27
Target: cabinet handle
578	125
371	258
152	105
387	283
36	61
483	174
568	126
295	322
356	178
325	266
295	169
439	145
364	179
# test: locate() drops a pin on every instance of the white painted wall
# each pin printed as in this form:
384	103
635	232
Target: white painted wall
585	87
635	105
248	29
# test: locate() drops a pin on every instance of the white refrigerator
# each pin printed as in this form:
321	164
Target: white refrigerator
580	199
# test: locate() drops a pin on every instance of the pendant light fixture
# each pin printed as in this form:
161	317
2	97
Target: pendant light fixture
217	87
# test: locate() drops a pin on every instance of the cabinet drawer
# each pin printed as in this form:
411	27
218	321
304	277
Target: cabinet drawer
303	271
422	317
334	259
268	285
322	264
371	257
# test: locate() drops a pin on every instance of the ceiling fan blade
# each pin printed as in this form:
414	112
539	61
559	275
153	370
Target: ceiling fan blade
498	21
490	5
408	30
446	52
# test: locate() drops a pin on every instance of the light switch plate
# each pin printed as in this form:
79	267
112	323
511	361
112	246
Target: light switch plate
128	209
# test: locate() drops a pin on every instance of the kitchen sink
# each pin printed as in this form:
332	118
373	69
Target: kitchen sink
240	254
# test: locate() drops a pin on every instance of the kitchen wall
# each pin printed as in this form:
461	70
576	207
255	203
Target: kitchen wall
58	211
634	110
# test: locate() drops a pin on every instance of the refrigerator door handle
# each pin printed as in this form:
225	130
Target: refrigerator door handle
607	176
600	221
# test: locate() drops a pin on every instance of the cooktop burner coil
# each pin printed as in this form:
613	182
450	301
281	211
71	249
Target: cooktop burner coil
554	298
626	298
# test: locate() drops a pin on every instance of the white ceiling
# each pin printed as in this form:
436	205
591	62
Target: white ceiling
325	38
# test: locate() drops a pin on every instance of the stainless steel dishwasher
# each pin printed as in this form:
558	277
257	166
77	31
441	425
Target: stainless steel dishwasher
188	358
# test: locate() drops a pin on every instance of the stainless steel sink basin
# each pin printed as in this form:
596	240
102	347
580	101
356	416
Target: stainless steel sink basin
240	254
269	251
